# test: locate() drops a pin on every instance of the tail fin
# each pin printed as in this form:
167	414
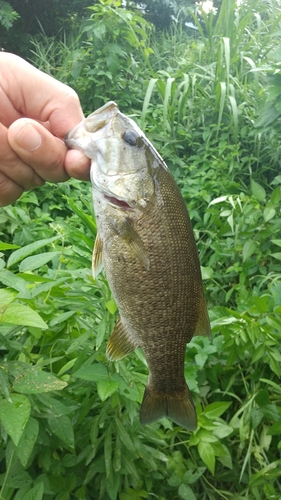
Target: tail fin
177	406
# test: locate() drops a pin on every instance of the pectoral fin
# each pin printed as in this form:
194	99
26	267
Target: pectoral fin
134	242
97	262
120	343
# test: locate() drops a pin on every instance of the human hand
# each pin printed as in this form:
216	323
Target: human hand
36	112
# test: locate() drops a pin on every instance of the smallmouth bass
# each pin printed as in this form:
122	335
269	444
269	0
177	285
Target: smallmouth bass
146	244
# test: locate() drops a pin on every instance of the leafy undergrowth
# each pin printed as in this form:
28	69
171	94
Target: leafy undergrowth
70	419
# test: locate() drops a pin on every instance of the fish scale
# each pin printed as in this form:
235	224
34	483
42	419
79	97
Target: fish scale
146	245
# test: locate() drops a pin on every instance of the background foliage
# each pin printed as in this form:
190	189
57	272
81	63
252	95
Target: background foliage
69	418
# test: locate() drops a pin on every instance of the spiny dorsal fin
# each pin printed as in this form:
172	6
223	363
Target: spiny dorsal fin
120	343
97	262
134	242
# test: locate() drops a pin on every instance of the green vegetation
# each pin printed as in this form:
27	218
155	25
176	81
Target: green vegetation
69	418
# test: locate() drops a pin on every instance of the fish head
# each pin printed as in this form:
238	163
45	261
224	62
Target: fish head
122	157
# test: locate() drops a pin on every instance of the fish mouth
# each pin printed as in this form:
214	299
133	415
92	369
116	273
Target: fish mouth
116	202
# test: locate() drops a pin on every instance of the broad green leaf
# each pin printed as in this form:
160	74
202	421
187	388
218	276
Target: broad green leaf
186	492
23	252
67	367
276	255
35	493
226	321
8	246
277	242
219	449
156	453
218	200
267	115
207	454
101	331
106	388
62	428
248	249
13	281
191	476
92	373
112	485
259	353
5	384
256	417
124	436
268	213
215	410
37	381
207	273
275	197
61	318
54	407
80	341
111	306
203	435
27	441
200	359
129	390
36	261
21	480
36	332
35	278
14	415
6	297
257	191
222	430
275	429
19	314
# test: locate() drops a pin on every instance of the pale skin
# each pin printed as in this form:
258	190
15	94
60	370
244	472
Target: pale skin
36	112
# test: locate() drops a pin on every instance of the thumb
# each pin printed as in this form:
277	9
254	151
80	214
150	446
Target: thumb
38	148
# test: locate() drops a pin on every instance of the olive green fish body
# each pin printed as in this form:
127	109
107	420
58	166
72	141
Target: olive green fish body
159	306
147	247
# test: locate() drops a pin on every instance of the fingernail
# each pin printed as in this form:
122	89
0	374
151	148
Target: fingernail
29	138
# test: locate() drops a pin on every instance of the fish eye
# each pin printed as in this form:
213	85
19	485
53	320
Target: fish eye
130	137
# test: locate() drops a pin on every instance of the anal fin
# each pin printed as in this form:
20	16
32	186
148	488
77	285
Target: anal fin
120	343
